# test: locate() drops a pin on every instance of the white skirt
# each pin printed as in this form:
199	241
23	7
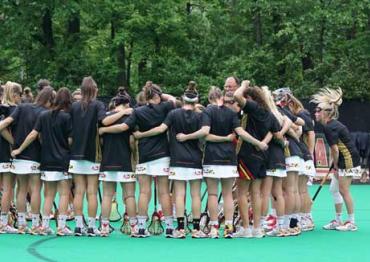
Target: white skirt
293	164
353	172
83	167
117	176
185	174
55	176
25	167
308	168
5	167
276	172
158	167
218	171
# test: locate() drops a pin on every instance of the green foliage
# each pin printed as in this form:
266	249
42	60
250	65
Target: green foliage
302	44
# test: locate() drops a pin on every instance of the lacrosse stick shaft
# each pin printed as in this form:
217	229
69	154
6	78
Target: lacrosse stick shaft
322	183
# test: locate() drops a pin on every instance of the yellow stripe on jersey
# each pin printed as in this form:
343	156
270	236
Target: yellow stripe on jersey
243	125
346	155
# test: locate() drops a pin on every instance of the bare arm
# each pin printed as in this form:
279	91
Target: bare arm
250	139
310	141
267	138
299	122
204	131
7	136
110	120
29	139
239	93
152	132
335	155
114	129
69	141
220	139
6	122
167	97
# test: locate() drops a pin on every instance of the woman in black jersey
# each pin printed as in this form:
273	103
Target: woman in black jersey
11	98
252	156
54	128
86	115
346	159
186	158
116	167
153	153
26	165
307	144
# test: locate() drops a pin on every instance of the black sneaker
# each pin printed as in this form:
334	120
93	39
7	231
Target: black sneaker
169	233
92	232
141	233
79	231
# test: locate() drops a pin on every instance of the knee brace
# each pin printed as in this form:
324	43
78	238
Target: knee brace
334	190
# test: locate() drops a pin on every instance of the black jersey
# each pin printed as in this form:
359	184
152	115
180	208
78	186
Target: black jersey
259	122
5	111
276	159
308	126
222	122
116	150
25	116
337	134
55	128
85	125
188	153
145	118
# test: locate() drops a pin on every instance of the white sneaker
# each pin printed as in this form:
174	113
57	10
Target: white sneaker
45	231
7	229
243	233
198	234
332	225
277	232
347	226
64	232
258	233
214	232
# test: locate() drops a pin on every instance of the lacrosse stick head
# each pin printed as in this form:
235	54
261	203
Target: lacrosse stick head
204	221
155	227
126	228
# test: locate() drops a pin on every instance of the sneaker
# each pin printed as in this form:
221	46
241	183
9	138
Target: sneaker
7	229
307	224
23	229
92	232
243	233
258	233
277	232
80	231
179	233
198	234
35	230
347	226
332	225
228	231
169	232
294	231
45	231
64	232
104	232
214	232
141	233
134	229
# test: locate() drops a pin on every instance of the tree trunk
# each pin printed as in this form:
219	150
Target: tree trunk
47	30
121	61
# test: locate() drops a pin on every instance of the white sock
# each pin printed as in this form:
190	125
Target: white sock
22	219
91	222
168	220
159	207
213	223
286	221
4	218
79	221
62	221
262	220
281	220
228	222
338	217
273	212
45	221
105	222
35	220
351	218
141	220
132	221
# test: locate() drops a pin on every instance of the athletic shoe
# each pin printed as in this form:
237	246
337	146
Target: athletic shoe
7	229
80	231
161	215
35	230
228	231
214	232
198	234
179	233
45	231
270	223
23	229
258	233
243	233
141	233
307	224
104	232
64	232
169	233
332	225
134	230
92	232
347	226
295	231
278	232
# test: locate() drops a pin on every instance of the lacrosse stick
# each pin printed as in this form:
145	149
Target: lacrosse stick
155	227
322	183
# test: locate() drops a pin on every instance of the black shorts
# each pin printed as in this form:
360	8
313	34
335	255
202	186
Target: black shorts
276	159
294	149
305	152
252	168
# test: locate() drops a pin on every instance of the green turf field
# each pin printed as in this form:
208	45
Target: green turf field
318	245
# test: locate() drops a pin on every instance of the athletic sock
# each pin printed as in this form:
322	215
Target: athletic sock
79	221
141	220
213	223
228	223
62	221
180	223
45	221
263	220
35	220
273	212
91	222
351	218
281	220
338	217
132	221
196	222
104	222
4	218
22	219
286	221
168	220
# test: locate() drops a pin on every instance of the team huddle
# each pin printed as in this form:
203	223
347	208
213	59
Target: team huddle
256	143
